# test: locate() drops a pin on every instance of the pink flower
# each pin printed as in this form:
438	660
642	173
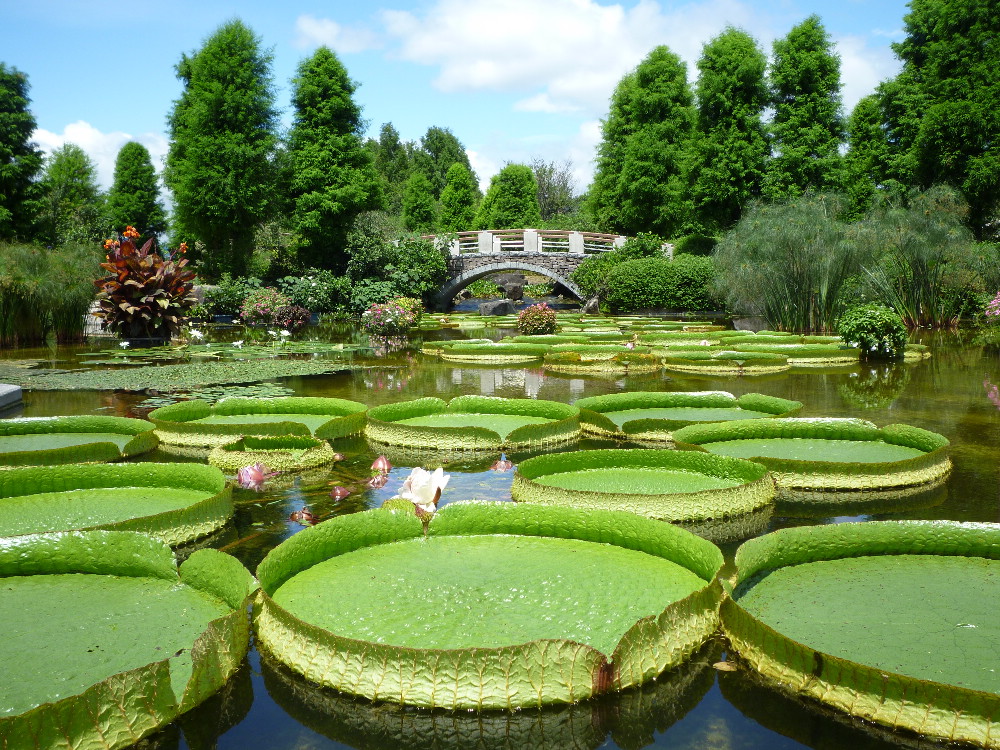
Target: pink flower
378	481
252	477
503	464
381	465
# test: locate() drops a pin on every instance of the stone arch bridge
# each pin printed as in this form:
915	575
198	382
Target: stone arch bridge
552	253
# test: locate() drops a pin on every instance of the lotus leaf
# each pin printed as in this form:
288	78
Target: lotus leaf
119	661
828	454
176	503
597	601
47	441
901	629
279	453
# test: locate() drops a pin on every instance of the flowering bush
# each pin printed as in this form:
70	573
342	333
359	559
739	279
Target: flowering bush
413	305
993	309
537	320
387	319
291	317
260	306
145	295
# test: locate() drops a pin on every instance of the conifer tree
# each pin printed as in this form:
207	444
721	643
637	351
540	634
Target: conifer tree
867	161
458	200
134	198
73	202
20	159
511	201
419	207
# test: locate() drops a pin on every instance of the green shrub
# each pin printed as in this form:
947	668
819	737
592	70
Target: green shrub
591	276
317	289
388	319
483	288
227	296
261	306
536	320
877	330
659	283
695	244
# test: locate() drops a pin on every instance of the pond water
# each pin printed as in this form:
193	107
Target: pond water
267	707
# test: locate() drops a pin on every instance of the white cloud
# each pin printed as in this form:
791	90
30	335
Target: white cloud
862	68
315	32
102	148
484	166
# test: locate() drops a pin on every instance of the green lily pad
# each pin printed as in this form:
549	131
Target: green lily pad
279	453
900	630
46	441
502	424
597	601
176	503
131	642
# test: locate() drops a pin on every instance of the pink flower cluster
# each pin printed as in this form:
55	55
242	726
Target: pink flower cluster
536	320
993	308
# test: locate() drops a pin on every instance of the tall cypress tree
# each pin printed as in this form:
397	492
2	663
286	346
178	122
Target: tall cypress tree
222	140
615	130
134	198
867	162
458	200
20	159
732	152
73	203
439	149
944	107
419	206
511	201
392	160
808	126
333	176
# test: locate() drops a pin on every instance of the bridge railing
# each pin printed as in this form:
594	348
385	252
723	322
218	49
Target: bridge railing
493	241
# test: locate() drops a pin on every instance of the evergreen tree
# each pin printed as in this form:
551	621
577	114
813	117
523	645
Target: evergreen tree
332	176
649	192
511	201
419	207
439	149
615	130
73	203
555	187
134	198
458	200
222	139
867	162
20	159
808	126
944	107
733	148
392	160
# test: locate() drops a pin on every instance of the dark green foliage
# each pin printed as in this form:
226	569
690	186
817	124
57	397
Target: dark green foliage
392	160
920	259
317	289
134	198
226	297
145	295
695	244
683	284
808	128
867	163
419	207
592	275
733	148
512	200
458	200
644	160
222	139
945	103
439	149
788	262
44	290
73	204
332	176
381	269
876	329
20	158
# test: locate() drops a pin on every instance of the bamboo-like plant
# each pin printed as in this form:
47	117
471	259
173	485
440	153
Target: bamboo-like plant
146	296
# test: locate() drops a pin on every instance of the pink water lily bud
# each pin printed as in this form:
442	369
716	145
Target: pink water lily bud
304	517
381	465
378	481
339	492
252	477
338	456
503	464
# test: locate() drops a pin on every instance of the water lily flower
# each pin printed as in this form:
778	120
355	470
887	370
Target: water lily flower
630	345
272	334
284	334
503	464
338	456
378	481
252	477
381	465
339	493
124	345
423	488
197	335
238	344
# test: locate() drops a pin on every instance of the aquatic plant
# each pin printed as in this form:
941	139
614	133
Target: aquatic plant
252	477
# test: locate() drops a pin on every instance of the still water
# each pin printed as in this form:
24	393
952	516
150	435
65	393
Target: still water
266	706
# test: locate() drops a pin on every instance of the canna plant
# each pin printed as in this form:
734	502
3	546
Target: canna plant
145	296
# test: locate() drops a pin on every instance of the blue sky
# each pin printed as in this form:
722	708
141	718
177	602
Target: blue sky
513	79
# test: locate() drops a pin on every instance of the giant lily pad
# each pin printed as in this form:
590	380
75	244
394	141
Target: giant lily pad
199	423
500	605
106	640
652	416
620	361
176	503
47	441
828	454
490	353
901	627
726	362
664	484
473	423
278	452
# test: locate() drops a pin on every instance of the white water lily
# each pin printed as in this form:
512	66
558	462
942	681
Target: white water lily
285	334
197	335
423	488
238	344
124	345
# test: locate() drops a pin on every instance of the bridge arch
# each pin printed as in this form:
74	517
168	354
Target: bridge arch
457	283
